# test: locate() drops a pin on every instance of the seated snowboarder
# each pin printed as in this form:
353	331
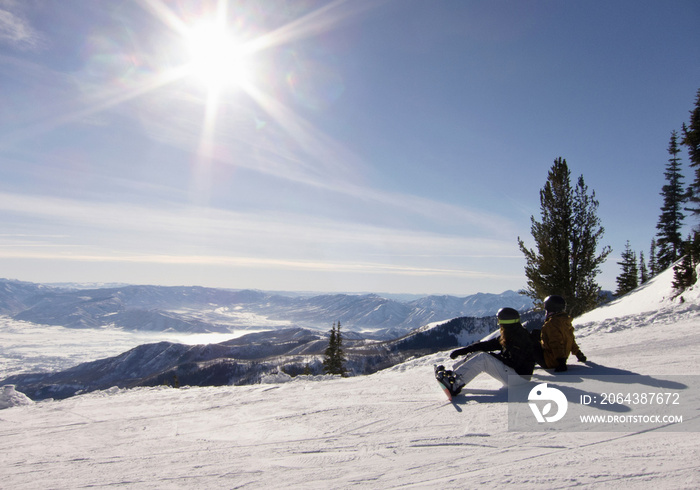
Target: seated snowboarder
557	336
516	356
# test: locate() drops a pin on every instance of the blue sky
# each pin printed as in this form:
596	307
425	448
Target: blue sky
383	146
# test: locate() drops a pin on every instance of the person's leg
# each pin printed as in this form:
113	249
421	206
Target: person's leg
469	368
483	362
499	370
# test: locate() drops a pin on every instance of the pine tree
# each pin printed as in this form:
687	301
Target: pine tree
340	354
653	264
643	273
627	280
334	359
566	238
669	239
691	139
684	272
330	352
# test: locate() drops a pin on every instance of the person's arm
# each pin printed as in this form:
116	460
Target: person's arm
575	350
488	345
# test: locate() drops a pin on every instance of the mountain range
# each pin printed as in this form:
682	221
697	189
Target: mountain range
202	310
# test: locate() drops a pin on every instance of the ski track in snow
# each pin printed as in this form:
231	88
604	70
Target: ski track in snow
393	429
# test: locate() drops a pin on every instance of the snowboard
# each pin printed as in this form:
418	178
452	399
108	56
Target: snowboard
443	379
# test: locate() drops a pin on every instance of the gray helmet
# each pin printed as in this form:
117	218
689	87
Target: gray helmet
508	315
554	304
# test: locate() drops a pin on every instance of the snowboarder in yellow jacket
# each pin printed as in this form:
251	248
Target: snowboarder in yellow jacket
557	335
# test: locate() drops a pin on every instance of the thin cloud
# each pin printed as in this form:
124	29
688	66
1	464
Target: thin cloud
111	232
15	30
225	224
255	263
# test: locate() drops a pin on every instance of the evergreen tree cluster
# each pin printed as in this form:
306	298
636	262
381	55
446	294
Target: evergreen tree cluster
691	140
668	246
566	259
334	358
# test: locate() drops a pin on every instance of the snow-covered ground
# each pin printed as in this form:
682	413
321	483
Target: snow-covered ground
391	429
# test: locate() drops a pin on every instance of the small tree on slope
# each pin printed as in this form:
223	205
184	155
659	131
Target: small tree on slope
643	273
334	359
628	278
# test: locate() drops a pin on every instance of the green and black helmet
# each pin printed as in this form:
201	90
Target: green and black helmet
508	316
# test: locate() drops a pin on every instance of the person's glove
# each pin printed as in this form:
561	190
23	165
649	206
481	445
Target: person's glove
561	365
460	352
581	357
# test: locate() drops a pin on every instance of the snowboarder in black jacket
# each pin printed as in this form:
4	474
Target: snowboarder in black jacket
516	354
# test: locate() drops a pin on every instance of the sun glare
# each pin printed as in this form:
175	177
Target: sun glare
217	59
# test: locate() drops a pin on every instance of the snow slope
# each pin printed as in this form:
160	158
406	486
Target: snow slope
654	297
390	429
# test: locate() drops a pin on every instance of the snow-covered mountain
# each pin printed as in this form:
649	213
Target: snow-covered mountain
198	309
390	429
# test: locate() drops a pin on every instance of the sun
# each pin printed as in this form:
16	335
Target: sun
217	60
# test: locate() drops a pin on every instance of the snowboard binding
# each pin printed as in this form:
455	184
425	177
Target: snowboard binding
449	380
